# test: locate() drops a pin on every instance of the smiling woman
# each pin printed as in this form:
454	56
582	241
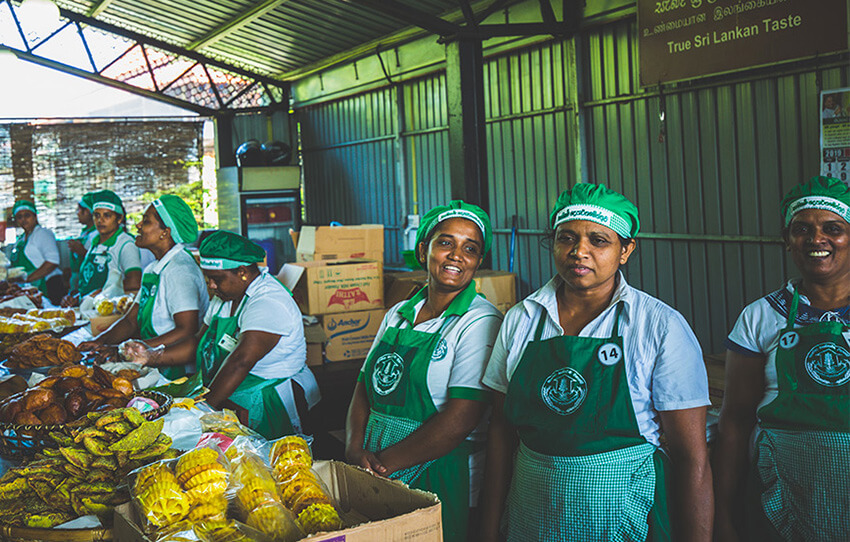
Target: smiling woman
788	387
417	409
37	252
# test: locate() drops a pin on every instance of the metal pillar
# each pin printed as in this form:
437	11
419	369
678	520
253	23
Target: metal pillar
467	129
225	149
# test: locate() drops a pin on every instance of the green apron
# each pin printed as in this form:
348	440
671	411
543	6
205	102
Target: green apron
19	259
396	380
583	471
266	412
144	317
802	456
95	267
77	260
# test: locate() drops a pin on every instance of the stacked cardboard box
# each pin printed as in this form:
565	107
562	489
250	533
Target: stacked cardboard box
498	287
339	279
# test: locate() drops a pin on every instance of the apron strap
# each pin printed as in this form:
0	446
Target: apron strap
541	322
615	331
446	322
792	312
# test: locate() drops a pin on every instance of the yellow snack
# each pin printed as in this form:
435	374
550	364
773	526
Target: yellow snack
194	471
215	508
319	517
296	485
220	531
104	307
295	457
290	443
156	472
194	458
275	521
311	494
164	504
206	492
214	474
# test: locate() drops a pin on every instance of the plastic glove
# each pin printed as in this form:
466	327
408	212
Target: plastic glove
139	352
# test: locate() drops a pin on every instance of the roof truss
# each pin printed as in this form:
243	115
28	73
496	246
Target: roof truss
83	46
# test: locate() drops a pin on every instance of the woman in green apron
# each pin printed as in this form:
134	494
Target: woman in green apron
782	457
37	252
586	372
113	264
416	414
79	246
251	351
173	298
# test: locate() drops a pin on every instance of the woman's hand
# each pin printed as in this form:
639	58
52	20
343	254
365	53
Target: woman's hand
71	300
139	352
88	346
365	459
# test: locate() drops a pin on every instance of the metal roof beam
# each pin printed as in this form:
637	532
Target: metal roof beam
411	16
243	19
147	40
486	31
99	8
52	64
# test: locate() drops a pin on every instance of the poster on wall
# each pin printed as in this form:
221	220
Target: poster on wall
684	39
835	133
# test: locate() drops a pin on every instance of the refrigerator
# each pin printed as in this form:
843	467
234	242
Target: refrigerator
263	204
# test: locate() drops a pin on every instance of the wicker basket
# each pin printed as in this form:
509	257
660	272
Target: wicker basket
28	534
19	442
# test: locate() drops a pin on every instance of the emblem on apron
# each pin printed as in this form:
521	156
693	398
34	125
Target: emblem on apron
564	391
387	373
440	351
828	364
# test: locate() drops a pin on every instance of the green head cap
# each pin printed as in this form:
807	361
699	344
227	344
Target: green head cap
177	215
87	201
456	209
23	204
826	193
596	203
227	250
109	200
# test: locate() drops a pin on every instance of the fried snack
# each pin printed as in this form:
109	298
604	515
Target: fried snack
42	351
292	449
319	517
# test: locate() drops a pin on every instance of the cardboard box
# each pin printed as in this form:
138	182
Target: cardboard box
332	286
374	509
340	242
315	336
99	324
350	334
498	287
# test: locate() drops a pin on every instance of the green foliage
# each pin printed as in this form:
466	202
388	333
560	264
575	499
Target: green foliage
192	193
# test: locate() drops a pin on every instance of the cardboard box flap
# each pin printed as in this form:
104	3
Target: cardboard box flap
353	486
290	274
323	242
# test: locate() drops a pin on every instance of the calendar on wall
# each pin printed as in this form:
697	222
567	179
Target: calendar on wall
835	133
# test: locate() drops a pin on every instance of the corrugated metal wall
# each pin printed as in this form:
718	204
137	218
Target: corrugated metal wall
708	191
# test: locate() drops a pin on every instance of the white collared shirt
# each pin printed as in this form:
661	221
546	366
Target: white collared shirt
181	288
41	247
664	364
270	308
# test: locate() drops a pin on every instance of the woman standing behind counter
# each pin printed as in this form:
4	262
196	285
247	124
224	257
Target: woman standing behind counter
113	263
81	245
173	297
251	351
416	414
37	252
784	433
588	374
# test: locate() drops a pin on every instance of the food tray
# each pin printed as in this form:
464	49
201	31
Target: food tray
24	441
28	534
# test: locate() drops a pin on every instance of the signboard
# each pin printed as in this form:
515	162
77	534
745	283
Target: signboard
682	39
835	133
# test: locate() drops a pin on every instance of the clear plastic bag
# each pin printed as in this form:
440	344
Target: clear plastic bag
138	352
